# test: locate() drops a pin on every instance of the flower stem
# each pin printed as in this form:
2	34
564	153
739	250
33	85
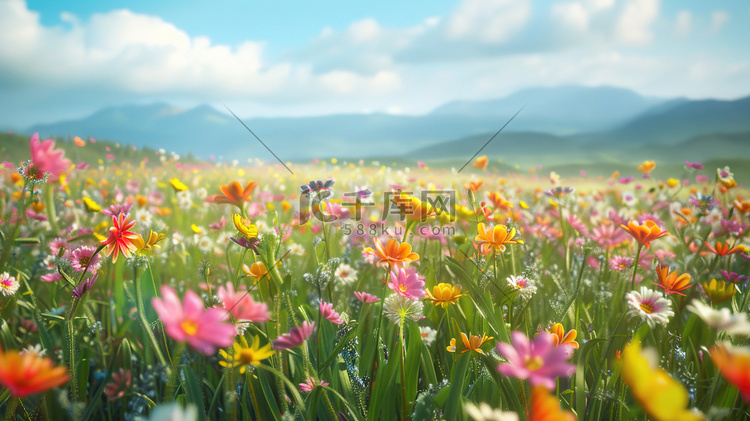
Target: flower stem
142	317
403	369
49	196
635	264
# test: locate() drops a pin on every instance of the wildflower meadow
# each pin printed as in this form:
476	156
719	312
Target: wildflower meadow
143	285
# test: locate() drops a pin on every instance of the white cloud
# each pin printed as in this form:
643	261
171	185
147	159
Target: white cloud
718	19
489	21
634	24
572	15
684	23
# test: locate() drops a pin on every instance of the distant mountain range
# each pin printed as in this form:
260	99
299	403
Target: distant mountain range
567	121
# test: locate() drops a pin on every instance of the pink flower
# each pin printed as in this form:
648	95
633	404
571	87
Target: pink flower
57	244
188	321
311	384
83	256
242	306
46	158
609	235
119	384
620	263
365	297
326	311
295	337
540	360
407	283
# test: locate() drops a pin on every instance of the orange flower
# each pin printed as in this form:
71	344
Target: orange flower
27	374
647	166
474	185
79	142
393	254
470	344
121	239
500	202
734	364
413	208
559	337
671	283
722	249
645	233
546	407
481	162
495	238
743	207
234	194
257	270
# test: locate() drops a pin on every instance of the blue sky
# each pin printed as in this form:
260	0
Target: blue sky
67	59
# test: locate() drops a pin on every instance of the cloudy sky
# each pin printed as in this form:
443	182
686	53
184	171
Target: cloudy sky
267	58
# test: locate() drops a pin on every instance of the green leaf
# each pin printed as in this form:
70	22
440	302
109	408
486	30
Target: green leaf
454	404
193	391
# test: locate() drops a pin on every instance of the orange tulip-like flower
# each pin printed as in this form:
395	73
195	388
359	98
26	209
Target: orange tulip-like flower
722	249
559	337
645	233
743	206
495	238
647	166
499	201
413	208
546	407
444	294
734	364
481	162
234	194
120	239
471	343
257	270
672	283
393	254
474	185
27	374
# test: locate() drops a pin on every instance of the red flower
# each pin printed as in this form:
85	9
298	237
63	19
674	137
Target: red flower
28	374
120	240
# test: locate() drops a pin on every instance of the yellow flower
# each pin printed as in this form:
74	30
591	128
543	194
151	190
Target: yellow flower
149	244
719	291
413	208
244	226
91	206
257	270
177	185
196	229
444	294
243	355
673	182
559	337
662	397
495	238
471	343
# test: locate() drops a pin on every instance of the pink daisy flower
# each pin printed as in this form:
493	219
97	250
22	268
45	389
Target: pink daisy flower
295	337
188	321
539	360
56	245
407	283
46	158
620	263
365	297
242	306
326	311
311	384
84	256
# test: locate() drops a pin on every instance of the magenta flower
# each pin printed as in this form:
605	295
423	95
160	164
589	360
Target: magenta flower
46	158
539	360
295	337
407	283
620	263
365	297
311	384
326	311
242	306
85	286
188	321
84	256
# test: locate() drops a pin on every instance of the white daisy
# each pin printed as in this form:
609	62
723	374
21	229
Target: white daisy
722	319
525	287
295	249
484	412
345	274
428	335
143	216
650	306
8	284
205	244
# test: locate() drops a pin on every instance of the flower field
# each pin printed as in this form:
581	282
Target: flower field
165	289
